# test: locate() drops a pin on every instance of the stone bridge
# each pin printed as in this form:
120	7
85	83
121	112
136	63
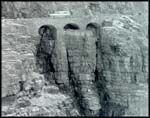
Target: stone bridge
76	68
100	62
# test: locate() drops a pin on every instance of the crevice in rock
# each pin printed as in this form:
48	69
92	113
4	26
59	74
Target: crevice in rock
100	79
21	85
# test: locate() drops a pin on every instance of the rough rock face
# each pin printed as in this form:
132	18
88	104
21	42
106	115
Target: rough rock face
96	68
123	68
41	105
77	9
18	60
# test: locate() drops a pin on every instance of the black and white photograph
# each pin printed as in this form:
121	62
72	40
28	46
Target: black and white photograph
74	58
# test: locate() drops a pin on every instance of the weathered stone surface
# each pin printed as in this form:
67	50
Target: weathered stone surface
81	53
51	89
40	106
122	64
104	71
78	9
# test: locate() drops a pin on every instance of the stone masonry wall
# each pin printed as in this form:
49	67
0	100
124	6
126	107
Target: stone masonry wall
105	72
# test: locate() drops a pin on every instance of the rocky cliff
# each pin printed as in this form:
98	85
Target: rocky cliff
75	66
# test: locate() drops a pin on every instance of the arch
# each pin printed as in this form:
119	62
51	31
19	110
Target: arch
94	27
71	26
49	31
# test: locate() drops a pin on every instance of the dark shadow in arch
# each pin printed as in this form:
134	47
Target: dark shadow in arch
94	27
49	31
71	26
44	52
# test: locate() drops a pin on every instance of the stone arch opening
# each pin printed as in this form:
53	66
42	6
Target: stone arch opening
48	31
94	27
46	52
71	26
